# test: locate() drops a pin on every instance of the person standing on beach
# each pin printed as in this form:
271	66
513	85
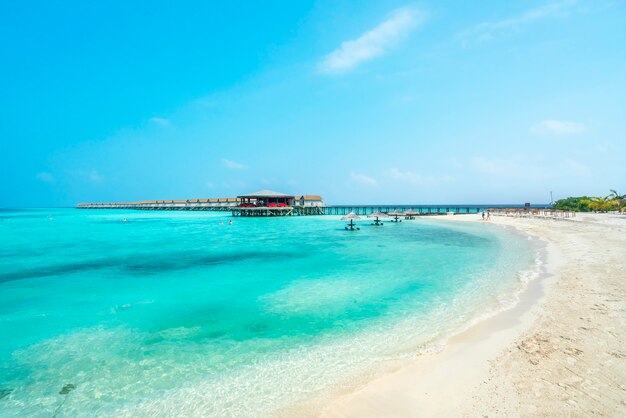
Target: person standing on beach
488	215
483	215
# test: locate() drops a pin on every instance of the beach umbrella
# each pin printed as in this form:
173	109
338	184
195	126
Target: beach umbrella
377	214
395	214
411	213
350	217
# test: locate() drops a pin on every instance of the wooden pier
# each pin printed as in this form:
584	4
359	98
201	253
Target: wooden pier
271	203
422	210
342	210
262	211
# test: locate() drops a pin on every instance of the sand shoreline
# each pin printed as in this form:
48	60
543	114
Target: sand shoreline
536	358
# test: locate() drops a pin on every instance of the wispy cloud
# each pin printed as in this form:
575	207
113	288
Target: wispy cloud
525	167
557	127
455	163
45	177
160	121
486	31
415	178
363	179
91	175
409	176
373	43
518	166
266	181
233	165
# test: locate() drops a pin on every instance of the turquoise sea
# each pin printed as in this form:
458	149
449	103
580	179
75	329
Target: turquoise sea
179	313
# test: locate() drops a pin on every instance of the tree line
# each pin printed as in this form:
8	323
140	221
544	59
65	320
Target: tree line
612	202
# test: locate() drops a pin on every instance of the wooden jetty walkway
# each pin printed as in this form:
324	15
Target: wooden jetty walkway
237	210
271	203
421	210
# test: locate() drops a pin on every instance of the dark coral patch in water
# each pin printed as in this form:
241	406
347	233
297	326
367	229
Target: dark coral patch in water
5	392
148	265
67	389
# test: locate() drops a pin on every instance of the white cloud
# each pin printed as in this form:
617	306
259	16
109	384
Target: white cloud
92	175
160	121
527	167
372	43
500	165
557	127
416	179
45	177
95	177
486	31
363	179
455	163
233	165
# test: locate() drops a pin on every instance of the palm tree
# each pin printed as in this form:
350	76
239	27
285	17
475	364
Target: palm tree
602	204
619	199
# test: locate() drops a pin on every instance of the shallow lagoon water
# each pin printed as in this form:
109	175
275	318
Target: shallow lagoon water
173	313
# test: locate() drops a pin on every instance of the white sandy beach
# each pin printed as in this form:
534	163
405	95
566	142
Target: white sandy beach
561	351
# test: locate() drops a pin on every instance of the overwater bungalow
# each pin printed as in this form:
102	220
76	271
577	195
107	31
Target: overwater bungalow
308	200
144	204
266	198
203	203
264	203
261	203
196	204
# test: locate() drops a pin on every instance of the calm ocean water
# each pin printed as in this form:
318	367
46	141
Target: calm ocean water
172	313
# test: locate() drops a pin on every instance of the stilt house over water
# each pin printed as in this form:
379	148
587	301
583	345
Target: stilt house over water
266	198
309	200
261	203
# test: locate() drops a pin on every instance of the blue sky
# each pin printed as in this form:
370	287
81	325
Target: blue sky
362	102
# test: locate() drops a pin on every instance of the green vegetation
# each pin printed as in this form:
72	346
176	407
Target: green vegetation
576	204
613	201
